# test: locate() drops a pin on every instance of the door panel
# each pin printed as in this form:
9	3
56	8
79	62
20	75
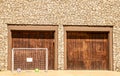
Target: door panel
33	39
87	50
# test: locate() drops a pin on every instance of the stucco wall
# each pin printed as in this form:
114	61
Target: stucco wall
59	12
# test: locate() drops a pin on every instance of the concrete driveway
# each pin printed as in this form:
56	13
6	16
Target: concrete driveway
61	73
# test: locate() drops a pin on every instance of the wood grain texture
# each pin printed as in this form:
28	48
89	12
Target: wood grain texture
87	50
33	39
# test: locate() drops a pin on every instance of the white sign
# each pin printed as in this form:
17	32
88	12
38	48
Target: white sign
29	60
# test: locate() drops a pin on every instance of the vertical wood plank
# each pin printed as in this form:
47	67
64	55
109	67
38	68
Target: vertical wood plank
33	39
93	46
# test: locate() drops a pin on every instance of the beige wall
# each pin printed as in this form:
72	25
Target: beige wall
59	12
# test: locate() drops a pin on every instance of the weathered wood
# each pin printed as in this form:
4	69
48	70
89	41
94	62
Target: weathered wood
87	50
33	39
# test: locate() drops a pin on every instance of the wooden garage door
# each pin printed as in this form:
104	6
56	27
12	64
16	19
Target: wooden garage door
87	50
33	39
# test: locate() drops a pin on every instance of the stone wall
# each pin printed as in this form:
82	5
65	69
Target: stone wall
60	12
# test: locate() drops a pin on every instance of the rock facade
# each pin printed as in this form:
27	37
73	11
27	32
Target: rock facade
60	12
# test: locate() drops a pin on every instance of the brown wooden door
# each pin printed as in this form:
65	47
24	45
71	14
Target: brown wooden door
87	50
33	39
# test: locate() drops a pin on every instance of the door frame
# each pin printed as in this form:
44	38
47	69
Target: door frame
90	28
31	27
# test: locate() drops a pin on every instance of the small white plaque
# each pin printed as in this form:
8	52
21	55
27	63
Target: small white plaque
29	60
